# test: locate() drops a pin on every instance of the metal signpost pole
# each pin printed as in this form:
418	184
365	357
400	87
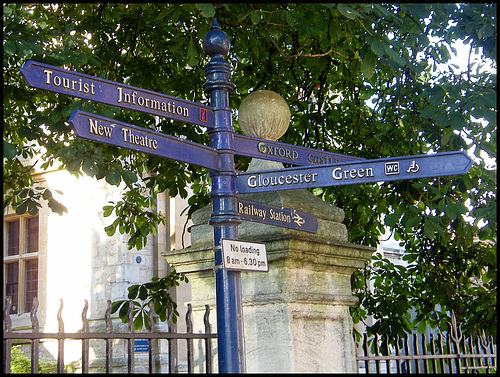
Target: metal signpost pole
225	217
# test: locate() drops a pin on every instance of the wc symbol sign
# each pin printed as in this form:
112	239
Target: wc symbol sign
392	168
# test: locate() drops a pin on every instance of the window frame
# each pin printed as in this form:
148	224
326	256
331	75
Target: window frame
23	259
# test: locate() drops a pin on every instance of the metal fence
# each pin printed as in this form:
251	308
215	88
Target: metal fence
418	353
34	337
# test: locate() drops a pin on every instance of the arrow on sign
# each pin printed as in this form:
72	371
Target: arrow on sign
381	170
286	153
279	216
97	128
59	80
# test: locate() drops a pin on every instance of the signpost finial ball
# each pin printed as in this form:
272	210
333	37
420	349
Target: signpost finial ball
216	42
264	114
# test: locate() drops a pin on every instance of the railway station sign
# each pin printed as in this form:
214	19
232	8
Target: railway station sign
244	256
75	84
104	130
380	170
279	216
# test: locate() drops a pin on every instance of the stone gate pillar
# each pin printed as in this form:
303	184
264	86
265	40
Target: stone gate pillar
296	315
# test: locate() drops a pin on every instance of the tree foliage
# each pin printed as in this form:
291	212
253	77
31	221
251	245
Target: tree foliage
360	79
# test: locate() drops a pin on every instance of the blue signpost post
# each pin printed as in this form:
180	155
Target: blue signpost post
318	168
225	217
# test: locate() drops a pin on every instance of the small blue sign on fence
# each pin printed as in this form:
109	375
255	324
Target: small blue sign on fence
141	345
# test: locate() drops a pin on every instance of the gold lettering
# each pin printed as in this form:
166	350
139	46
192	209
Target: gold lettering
155	104
93	126
48	73
65	83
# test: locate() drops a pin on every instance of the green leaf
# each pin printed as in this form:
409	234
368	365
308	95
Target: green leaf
21	209
368	64
347	11
428	229
429	113
422	326
57	207
139	321
394	56
113	176
255	17
108	210
9	47
207	10
378	48
9	151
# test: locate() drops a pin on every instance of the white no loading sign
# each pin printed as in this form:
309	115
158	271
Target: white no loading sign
244	256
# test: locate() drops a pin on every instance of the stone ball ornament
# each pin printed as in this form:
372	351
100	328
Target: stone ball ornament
264	114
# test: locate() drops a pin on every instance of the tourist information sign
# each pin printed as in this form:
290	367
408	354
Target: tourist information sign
104	130
279	216
244	256
380	170
74	84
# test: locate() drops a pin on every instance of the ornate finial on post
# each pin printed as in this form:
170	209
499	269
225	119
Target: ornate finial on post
216	42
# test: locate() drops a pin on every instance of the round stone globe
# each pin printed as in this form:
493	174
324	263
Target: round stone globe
264	114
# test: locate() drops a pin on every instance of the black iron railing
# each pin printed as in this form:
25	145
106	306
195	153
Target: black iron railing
34	337
418	353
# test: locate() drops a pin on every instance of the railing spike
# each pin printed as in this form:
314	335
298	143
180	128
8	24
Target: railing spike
151	320
60	323
206	320
6	316
189	322
84	316
170	319
60	342
107	318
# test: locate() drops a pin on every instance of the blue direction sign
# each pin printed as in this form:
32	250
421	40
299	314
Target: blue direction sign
97	128
279	216
286	153
387	169
59	80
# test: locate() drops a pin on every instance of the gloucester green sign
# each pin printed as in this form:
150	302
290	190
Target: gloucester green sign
381	170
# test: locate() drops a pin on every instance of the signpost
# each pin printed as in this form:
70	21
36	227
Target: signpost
59	80
386	169
103	130
321	168
279	216
286	153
